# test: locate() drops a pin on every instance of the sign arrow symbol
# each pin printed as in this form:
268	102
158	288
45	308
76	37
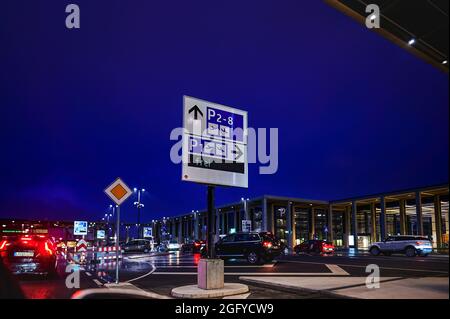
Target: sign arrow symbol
196	111
237	152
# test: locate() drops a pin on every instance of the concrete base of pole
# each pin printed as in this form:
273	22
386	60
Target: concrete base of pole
194	292
210	274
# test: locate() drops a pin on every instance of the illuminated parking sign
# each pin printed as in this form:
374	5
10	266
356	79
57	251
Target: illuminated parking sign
80	228
214	144
101	234
148	232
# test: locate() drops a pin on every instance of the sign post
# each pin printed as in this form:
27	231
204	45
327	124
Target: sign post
119	192
214	153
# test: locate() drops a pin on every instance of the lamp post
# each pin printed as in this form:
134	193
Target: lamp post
139	205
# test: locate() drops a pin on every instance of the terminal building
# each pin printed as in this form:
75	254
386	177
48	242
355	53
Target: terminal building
351	222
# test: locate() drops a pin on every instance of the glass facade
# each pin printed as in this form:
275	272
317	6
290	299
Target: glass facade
256	217
320	224
280	223
301	222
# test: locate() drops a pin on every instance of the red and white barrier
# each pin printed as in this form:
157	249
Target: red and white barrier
107	249
106	254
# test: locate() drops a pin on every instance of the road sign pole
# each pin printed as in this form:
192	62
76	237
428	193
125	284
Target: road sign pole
117	243
210	230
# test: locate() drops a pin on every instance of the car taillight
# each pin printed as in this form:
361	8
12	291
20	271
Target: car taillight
267	244
3	244
46	249
420	243
197	244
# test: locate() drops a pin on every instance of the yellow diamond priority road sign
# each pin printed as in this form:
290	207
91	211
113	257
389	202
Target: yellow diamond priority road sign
118	191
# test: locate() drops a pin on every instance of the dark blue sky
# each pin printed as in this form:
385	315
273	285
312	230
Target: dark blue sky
356	114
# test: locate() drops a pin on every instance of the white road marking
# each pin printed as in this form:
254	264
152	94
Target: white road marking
243	296
143	276
335	269
97	282
88	273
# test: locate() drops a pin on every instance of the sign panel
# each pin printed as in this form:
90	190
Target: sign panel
118	191
101	234
246	226
80	228
214	144
148	232
81	245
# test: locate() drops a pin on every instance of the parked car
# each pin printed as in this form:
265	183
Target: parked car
173	245
315	246
33	254
409	245
137	245
194	246
255	247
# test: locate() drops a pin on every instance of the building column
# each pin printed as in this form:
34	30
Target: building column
236	219
373	223
382	218
264	214
294	228
355	224
289	226
271	218
438	220
312	225
402	209
346	226
196	222
419	214
330	223
180	230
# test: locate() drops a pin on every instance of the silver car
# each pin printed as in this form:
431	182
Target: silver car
409	245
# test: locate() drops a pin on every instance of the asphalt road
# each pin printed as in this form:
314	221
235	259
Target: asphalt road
161	273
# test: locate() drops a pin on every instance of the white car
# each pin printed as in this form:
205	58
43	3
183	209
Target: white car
408	244
173	245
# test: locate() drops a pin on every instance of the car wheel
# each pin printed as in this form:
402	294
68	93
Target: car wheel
410	251
375	251
253	258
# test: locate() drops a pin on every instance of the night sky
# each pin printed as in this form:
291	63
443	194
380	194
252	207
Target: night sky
356	113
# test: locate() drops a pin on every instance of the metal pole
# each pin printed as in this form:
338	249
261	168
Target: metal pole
210	230
117	244
139	214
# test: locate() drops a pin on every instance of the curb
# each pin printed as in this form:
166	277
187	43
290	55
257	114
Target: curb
290	289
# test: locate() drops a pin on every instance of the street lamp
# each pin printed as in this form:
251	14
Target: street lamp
139	205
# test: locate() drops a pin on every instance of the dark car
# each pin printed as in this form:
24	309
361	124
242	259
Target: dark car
255	247
315	246
32	254
137	245
194	246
